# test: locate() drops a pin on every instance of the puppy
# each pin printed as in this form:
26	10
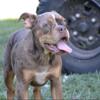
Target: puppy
34	56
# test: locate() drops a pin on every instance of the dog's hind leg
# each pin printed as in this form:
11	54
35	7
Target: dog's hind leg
21	90
8	78
8	73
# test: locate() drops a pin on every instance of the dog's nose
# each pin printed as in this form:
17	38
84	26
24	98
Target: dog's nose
63	32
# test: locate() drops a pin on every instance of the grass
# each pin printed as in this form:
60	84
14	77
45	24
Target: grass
75	87
6	28
82	87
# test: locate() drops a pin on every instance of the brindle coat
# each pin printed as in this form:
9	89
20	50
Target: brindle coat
28	58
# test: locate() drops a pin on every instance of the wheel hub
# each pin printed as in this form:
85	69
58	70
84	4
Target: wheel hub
83	27
84	23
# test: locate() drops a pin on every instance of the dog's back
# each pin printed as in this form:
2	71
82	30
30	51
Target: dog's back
14	38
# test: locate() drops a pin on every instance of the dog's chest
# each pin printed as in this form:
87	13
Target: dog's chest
40	75
40	78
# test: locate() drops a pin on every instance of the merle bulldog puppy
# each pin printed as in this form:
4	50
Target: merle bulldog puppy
34	56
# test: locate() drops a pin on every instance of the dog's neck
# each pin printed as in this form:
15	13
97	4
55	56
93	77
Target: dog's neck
42	56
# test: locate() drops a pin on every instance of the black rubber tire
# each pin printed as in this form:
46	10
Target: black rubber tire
74	65
80	61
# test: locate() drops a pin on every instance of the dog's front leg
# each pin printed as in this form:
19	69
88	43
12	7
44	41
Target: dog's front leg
22	91
56	89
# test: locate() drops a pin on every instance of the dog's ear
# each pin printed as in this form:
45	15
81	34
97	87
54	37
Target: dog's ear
27	15
57	15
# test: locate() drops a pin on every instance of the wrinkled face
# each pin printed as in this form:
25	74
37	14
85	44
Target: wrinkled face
52	33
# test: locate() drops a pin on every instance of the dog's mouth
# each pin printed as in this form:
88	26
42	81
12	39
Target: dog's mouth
60	47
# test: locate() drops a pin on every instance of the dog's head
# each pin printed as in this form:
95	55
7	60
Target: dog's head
50	30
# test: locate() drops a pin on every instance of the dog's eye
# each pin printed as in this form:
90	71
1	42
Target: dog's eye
61	22
46	28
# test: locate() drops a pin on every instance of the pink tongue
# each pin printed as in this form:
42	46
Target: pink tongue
63	46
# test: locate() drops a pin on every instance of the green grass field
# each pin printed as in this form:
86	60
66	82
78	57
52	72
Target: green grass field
75	87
